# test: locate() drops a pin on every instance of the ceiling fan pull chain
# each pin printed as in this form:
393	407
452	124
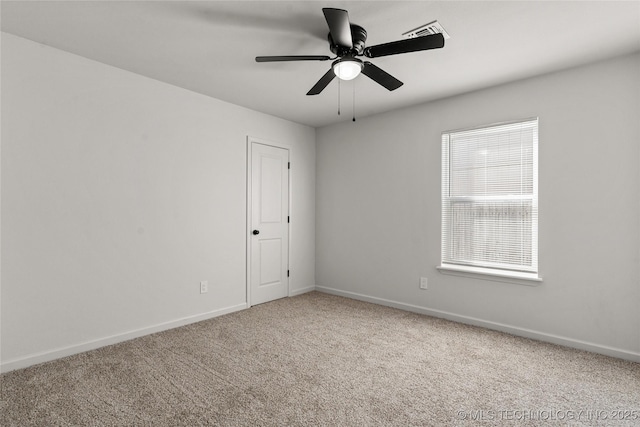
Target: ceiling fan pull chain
354	100
338	96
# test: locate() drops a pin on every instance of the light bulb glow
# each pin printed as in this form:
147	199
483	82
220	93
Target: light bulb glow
347	69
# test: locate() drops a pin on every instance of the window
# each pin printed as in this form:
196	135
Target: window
490	200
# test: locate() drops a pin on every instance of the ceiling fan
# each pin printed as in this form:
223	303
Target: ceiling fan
347	42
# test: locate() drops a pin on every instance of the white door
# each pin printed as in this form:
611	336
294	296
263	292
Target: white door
269	225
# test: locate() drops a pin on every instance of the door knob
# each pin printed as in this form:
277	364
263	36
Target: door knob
256	232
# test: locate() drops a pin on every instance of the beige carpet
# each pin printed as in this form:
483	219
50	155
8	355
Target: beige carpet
322	360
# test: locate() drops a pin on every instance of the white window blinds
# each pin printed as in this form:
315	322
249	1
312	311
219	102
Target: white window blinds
490	197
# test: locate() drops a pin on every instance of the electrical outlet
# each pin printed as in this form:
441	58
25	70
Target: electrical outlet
424	283
204	287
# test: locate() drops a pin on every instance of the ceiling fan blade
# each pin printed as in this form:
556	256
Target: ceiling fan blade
292	58
433	41
322	83
339	26
380	76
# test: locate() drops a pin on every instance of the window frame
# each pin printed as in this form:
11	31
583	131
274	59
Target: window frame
488	270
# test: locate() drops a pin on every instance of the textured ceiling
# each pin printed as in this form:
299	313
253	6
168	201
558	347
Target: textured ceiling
209	46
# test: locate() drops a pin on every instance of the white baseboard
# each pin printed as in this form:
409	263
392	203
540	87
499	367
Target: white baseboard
514	330
302	291
34	359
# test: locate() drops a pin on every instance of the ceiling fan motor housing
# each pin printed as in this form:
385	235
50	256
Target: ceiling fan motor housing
358	36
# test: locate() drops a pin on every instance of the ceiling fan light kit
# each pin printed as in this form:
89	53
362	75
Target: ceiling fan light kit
347	68
347	41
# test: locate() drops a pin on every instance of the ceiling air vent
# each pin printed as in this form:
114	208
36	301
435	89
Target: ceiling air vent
426	30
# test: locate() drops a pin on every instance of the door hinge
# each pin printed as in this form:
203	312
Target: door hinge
287	273
288	219
288	165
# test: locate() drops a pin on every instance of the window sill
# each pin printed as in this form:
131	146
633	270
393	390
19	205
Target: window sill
527	279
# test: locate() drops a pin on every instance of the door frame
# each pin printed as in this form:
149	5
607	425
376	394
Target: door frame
250	141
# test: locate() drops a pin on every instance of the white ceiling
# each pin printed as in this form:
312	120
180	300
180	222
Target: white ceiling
209	46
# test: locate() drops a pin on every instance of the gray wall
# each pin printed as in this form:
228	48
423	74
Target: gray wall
119	194
378	209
